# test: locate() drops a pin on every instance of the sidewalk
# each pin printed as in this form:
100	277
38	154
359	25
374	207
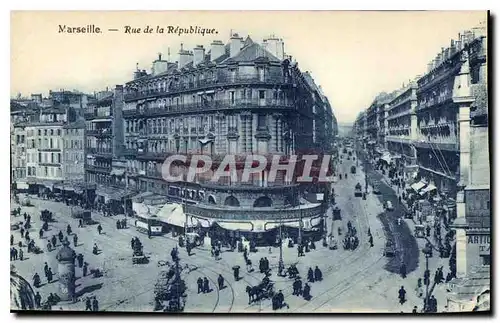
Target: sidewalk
439	291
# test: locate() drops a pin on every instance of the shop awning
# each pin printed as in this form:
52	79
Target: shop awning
386	158
236	226
429	188
140	197
172	214
22	185
117	172
418	186
204	223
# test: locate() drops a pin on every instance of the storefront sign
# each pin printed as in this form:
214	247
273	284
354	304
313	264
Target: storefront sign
482	240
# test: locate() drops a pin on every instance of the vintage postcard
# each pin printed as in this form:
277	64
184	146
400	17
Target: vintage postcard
250	162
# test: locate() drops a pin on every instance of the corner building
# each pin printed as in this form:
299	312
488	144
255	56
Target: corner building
241	98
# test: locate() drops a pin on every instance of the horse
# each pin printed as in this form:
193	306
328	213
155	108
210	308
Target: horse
253	293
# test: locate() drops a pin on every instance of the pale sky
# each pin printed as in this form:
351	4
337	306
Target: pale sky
352	55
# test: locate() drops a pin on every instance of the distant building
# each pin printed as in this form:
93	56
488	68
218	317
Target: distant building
74	152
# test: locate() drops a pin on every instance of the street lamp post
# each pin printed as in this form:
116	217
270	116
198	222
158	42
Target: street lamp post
426	250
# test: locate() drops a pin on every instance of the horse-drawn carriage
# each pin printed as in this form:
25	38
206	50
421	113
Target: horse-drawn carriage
264	290
84	215
138	256
261	291
358	190
351	240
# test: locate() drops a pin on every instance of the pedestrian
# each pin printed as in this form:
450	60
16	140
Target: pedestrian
95	305
307	292
46	269
220	281
206	285
49	246
40	233
428	231
414	310
200	285
236	272
118	224
249	266
370	240
36	280
22	232
84	269
80	223
54	241
402	294
266	264
95	249
11	239
21	254
75	240
99	229
50	275
60	236
79	258
310	275
402	270
88	304
68	230
38	299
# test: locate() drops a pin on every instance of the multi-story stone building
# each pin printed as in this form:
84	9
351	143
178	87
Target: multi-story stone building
238	99
74	152
45	145
104	139
402	127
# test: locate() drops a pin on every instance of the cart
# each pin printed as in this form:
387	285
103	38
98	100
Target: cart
419	231
389	250
358	191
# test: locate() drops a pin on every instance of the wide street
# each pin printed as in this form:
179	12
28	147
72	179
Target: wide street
359	280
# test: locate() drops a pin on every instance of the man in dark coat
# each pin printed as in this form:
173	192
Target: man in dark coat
310	275
307	292
49	275
402	295
220	281
11	239
46	269
75	240
79	258
38	299
99	229
85	268
95	305
200	285
206	285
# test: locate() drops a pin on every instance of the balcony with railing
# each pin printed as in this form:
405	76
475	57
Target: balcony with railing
98	168
243	79
101	152
105	132
216	105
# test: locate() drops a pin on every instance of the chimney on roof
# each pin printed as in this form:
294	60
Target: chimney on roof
235	45
184	57
275	46
216	49
199	55
159	65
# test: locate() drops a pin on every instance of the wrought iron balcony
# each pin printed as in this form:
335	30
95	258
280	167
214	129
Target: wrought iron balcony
100	132
215	105
208	83
98	168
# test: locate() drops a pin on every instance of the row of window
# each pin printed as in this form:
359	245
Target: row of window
46	171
